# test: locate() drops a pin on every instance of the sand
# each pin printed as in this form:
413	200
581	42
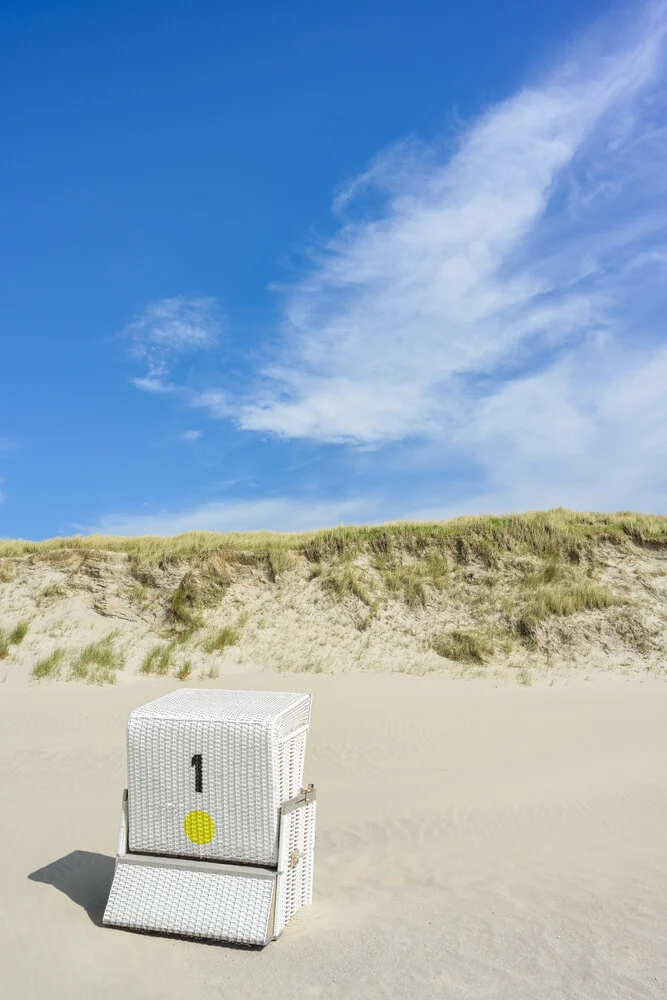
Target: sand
474	841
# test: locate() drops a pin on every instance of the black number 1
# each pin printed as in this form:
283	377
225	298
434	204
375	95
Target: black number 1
198	765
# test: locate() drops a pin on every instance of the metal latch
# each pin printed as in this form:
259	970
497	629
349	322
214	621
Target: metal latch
304	798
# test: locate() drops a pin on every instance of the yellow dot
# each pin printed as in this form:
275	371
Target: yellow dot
199	827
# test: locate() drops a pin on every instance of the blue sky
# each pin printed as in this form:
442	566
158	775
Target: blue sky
287	266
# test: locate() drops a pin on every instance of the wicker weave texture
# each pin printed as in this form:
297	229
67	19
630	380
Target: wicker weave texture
251	746
288	710
295	864
191	903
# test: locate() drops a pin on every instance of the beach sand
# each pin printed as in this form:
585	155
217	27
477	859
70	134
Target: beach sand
474	841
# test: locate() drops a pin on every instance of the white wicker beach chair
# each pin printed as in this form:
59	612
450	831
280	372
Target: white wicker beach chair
217	831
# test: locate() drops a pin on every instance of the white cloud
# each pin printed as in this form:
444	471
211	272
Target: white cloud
573	437
190	435
507	301
278	514
216	402
504	303
154	382
476	260
167	329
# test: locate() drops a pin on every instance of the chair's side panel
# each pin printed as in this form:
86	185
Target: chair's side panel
291	757
295	864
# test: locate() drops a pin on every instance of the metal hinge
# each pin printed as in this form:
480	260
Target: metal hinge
304	798
308	793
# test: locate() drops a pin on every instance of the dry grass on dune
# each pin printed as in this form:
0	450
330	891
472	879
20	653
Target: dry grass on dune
13	637
552	533
97	662
469	591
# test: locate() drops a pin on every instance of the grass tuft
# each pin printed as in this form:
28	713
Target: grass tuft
142	594
50	593
184	670
279	560
463	647
559	599
407	582
98	662
525	675
49	666
309	667
18	633
347	581
158	660
410	581
217	641
13	638
202	586
182	608
368	619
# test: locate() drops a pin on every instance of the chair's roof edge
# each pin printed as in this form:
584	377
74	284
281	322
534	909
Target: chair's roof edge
243	717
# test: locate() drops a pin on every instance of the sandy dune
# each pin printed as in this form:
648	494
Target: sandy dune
474	841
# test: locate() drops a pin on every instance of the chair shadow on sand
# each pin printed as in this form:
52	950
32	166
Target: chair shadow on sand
85	877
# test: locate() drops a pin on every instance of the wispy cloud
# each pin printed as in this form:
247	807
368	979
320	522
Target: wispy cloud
193	435
274	514
512	251
168	329
219	404
500	299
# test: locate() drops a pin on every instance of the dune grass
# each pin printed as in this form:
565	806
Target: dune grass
203	585
219	640
462	646
345	581
51	592
49	666
542	533
97	662
182	608
559	600
12	637
279	561
142	594
409	582
158	660
505	577
184	670
7	572
525	675
18	633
